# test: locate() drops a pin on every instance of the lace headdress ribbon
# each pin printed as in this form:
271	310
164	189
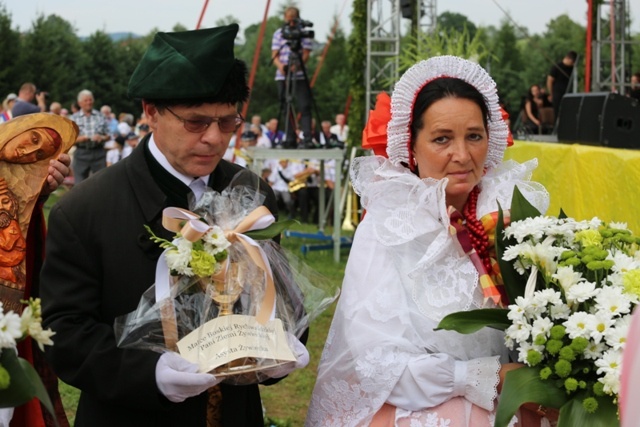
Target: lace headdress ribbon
418	76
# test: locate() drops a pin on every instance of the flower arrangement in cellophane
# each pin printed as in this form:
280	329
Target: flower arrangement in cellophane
572	287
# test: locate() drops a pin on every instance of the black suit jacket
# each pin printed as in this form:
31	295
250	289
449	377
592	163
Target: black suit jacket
99	261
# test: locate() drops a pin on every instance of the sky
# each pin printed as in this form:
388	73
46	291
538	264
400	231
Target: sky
141	16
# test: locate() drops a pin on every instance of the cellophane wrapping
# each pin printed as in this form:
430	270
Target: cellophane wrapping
301	295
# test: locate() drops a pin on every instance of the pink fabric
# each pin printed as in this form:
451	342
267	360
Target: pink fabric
630	384
455	412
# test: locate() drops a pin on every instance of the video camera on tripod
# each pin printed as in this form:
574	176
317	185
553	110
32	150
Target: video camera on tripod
295	30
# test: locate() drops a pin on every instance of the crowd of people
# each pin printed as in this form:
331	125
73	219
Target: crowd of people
438	169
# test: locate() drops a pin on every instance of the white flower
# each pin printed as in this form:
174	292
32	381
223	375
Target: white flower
524	349
611	383
618	225
533	228
623	262
517	252
610	366
559	311
567	277
42	336
519	331
517	310
598	325
547	296
594	350
215	240
577	325
617	336
612	300
10	329
542	325
581	292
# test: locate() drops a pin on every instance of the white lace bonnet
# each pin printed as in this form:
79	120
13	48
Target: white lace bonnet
415	78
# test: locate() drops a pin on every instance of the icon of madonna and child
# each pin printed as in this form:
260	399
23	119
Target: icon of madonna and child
27	145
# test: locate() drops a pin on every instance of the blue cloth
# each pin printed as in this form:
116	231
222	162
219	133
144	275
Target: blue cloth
20	108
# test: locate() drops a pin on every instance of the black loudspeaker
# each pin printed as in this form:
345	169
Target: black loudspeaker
600	118
580	116
621	122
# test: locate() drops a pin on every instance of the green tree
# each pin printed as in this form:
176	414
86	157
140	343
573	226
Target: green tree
264	94
448	21
105	74
52	58
331	88
9	54
357	51
508	65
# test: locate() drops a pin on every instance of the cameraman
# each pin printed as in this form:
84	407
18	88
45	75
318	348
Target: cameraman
24	102
292	48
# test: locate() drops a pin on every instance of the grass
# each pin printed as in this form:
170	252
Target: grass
286	402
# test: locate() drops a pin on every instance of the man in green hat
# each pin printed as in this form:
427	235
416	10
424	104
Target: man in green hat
100	260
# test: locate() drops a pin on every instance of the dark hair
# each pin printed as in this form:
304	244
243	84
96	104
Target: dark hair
234	91
572	54
445	87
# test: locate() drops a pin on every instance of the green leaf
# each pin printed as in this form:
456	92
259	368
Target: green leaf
524	385
513	282
467	322
574	414
271	231
521	208
25	383
562	214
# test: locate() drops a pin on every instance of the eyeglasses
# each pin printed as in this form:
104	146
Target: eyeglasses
227	124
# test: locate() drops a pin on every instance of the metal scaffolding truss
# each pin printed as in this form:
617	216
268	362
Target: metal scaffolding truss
611	47
383	41
383	47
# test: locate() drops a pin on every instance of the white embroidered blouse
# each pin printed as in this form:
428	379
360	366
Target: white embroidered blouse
404	274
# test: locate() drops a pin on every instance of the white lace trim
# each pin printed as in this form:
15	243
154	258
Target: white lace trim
482	381
416	77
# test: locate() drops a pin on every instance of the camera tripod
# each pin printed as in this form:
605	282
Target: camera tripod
304	97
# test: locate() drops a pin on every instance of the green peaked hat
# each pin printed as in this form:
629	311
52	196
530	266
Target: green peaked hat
185	64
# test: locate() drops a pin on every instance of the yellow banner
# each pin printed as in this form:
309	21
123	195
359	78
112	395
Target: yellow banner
586	181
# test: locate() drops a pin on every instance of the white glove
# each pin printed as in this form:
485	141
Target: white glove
5	416
302	359
178	379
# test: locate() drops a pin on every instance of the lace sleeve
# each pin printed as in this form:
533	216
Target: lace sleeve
432	379
481	386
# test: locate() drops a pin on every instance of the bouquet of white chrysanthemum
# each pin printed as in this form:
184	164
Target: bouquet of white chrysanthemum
572	286
19	382
572	322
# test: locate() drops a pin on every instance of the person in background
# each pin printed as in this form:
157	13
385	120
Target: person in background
261	140
100	260
55	108
406	270
635	86
112	122
90	155
7	105
341	129
131	142
283	58
276	137
558	80
24	101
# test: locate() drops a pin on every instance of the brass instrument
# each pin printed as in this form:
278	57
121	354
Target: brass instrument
300	182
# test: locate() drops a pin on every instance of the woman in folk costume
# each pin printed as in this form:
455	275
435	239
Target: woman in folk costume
423	251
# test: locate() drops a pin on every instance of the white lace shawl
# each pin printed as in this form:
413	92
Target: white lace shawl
403	275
